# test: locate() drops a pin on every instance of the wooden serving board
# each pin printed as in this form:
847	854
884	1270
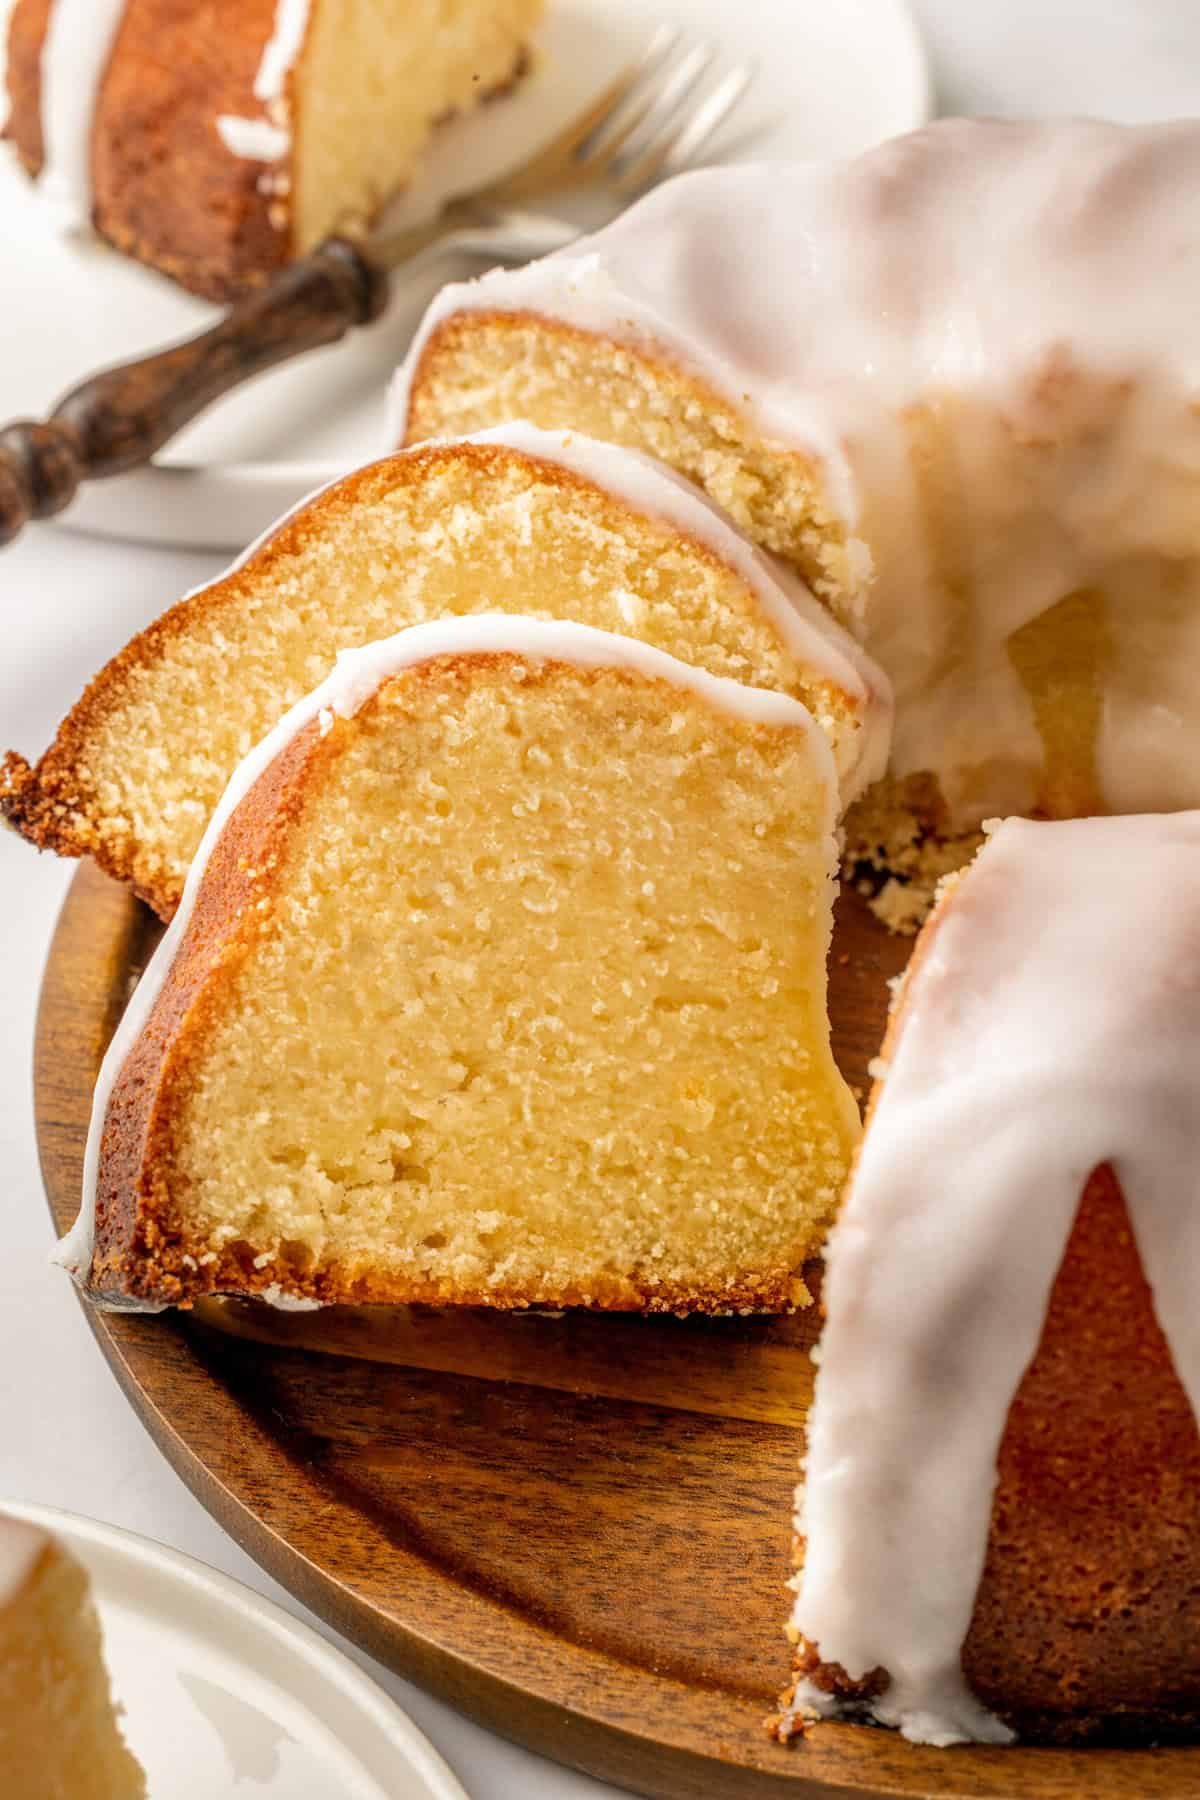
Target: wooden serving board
574	1529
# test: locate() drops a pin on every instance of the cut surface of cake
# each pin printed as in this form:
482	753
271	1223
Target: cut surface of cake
523	521
926	377
59	1733
216	142
999	1526
499	978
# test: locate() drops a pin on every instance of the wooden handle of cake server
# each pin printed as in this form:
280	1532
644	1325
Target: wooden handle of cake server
119	418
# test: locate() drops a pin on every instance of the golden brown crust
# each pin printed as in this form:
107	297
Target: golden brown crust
166	189
1086	1625
142	1250
139	1242
53	803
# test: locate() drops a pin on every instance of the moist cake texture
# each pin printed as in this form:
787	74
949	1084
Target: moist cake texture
499	979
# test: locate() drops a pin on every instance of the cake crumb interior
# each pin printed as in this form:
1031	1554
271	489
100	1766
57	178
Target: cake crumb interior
539	1011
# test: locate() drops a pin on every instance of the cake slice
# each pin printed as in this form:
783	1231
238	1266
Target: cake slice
1000	1519
215	142
59	1732
516	520
499	979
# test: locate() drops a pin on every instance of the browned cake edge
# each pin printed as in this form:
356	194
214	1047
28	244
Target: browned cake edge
167	190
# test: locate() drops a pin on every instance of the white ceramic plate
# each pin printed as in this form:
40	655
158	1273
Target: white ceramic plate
224	1692
831	80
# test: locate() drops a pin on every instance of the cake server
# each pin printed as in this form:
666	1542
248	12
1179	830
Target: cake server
651	122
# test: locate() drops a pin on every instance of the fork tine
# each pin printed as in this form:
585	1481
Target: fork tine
708	117
609	100
659	106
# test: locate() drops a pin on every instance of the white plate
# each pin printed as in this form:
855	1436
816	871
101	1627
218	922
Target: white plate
224	1692
831	80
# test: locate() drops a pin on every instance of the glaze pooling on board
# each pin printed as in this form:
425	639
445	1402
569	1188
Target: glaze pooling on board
1052	1026
20	1546
358	674
984	338
78	42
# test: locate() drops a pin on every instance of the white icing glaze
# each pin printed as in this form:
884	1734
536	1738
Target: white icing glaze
79	38
355	678
1053	1025
1029	289
20	1546
281	49
254	139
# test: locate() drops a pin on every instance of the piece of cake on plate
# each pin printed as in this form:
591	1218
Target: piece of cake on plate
216	142
59	1733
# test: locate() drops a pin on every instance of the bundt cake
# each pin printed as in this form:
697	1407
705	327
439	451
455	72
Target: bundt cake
514	521
1000	1518
58	1725
954	381
499	978
215	142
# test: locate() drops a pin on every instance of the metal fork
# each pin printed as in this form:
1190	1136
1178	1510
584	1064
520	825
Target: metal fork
652	121
639	130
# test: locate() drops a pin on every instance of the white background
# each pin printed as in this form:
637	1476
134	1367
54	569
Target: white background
67	1438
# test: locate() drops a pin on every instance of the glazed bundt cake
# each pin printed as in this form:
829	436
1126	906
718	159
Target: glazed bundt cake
1000	1518
215	142
58	1726
499	978
954	382
515	521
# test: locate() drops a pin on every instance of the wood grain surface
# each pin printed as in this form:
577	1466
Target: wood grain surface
574	1529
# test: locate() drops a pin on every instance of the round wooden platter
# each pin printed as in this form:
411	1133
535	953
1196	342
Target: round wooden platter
575	1529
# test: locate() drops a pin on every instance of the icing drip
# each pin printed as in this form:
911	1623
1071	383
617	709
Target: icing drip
20	1546
949	333
79	39
1048	1030
254	139
355	678
269	139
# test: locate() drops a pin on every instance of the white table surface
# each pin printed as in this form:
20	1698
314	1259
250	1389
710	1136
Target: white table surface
67	1437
